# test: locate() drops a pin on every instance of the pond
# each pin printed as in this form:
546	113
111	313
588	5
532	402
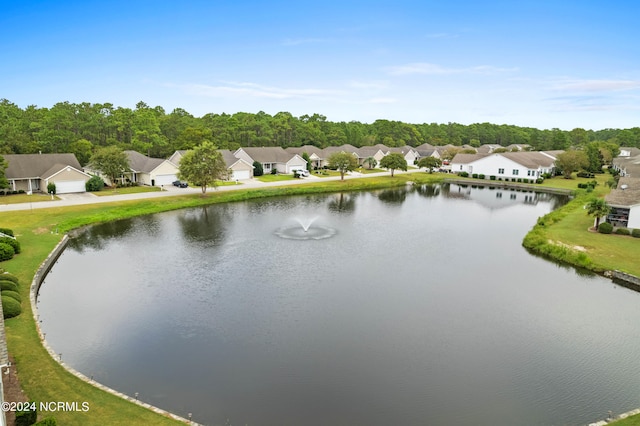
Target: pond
405	306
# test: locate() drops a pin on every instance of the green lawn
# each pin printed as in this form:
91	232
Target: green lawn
127	190
275	178
24	198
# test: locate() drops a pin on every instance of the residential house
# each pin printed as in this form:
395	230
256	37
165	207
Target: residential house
316	155
377	152
628	162
625	203
238	168
151	171
272	158
506	165
34	172
408	152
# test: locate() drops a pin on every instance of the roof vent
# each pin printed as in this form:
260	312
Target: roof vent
623	187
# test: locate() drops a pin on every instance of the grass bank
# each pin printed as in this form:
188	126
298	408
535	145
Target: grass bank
40	230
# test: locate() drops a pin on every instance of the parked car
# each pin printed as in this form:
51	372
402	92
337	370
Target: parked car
302	172
180	184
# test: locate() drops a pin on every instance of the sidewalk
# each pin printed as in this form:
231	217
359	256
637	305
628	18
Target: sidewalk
88	198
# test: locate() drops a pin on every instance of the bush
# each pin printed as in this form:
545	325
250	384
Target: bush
539	180
623	231
8	286
11	308
635	233
257	169
51	188
605	228
7	231
13	294
8	277
463	174
492	177
49	421
584	174
94	184
6	251
480	176
13	243
26	418
274	171
475	176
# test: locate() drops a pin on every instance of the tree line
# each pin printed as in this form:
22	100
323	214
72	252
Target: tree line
82	128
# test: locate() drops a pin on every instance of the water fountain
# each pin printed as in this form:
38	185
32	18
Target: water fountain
305	229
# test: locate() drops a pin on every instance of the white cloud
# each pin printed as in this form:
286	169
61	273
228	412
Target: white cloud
598	85
252	90
434	69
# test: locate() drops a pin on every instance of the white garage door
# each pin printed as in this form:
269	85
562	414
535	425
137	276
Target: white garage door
165	179
70	186
241	175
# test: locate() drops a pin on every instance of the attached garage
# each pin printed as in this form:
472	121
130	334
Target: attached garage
241	175
70	186
164	179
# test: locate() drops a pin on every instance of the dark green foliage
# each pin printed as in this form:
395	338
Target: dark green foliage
11	308
539	180
13	294
475	176
7	231
584	174
24	418
463	174
492	177
8	277
605	228
481	176
8	286
623	231
94	184
49	421
635	233
13	243
257	169
274	171
51	188
6	251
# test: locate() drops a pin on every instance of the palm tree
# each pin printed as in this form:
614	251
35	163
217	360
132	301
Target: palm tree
371	162
598	208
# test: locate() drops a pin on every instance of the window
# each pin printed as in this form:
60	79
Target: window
515	172
530	173
500	171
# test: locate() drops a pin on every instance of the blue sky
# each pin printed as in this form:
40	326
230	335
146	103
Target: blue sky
543	64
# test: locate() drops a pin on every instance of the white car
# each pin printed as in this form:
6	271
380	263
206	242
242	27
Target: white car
302	173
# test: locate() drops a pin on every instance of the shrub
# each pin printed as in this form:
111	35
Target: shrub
463	174
539	180
51	188
492	177
49	421
519	179
257	169
623	231
475	176
11	308
13	294
8	277
94	184
274	171
481	176
7	231
635	233
13	243
8	286
6	251
605	228
26	418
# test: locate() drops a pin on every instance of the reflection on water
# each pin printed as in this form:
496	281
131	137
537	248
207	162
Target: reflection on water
423	308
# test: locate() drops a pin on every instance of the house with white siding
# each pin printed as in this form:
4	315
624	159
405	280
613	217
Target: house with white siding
505	166
625	203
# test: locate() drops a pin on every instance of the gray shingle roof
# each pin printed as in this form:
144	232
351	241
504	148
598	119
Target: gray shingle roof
141	163
23	166
269	154
625	197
